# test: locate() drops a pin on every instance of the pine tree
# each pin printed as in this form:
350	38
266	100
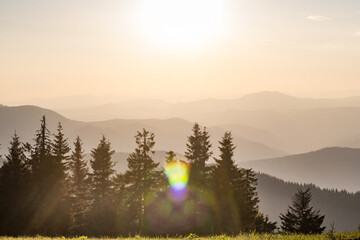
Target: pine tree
170	157
50	213
79	188
60	149
226	184
248	200
121	200
14	176
263	224
141	178
198	152
300	217
41	152
102	215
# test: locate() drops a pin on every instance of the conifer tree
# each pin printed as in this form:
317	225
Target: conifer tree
41	152
170	157
60	149
300	217
249	200
102	215
263	224
14	177
227	184
235	190
49	209
79	187
141	178
198	152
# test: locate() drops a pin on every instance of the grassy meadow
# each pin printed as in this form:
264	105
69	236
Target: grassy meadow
336	236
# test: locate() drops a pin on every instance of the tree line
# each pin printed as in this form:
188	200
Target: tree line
49	188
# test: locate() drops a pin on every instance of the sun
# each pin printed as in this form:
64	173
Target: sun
181	24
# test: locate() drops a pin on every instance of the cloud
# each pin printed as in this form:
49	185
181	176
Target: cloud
357	34
318	18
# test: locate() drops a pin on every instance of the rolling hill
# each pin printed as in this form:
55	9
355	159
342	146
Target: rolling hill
327	168
275	120
275	101
170	134
279	121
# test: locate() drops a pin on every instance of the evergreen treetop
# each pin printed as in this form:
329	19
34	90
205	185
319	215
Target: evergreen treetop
301	217
102	167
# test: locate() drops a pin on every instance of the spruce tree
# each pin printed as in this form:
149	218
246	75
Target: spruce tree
300	217
14	183
227	182
263	224
170	157
141	178
60	150
41	152
198	153
49	208
248	200
102	215
60	153
79	188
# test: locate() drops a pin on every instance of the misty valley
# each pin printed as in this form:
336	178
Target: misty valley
273	176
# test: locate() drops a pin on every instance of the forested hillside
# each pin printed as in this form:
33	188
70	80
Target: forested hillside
340	207
334	168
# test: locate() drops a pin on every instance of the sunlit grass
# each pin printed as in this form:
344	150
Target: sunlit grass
337	236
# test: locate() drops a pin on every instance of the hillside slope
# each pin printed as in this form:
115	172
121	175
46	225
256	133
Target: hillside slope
275	101
339	207
327	168
170	134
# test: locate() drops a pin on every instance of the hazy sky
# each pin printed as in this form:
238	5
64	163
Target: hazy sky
177	49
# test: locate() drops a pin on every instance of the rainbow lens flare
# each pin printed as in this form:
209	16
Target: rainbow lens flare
178	176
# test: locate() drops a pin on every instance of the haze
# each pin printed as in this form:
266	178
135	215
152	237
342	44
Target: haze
178	50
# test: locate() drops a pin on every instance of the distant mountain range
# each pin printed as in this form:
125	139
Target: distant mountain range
334	168
281	122
154	108
170	134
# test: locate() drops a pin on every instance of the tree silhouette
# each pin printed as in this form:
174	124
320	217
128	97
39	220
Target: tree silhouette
227	181
141	178
102	215
79	188
300	217
263	224
248	200
198	153
50	212
14	177
60	149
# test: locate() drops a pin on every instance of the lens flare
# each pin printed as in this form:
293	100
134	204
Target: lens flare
178	176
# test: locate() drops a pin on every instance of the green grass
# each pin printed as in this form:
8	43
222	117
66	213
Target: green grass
337	236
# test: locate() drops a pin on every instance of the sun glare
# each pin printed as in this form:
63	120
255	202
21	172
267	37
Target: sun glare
178	175
181	24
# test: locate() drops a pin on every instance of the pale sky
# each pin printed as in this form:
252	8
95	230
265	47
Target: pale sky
177	49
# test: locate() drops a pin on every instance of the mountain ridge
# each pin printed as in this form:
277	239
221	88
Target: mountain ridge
170	134
332	168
